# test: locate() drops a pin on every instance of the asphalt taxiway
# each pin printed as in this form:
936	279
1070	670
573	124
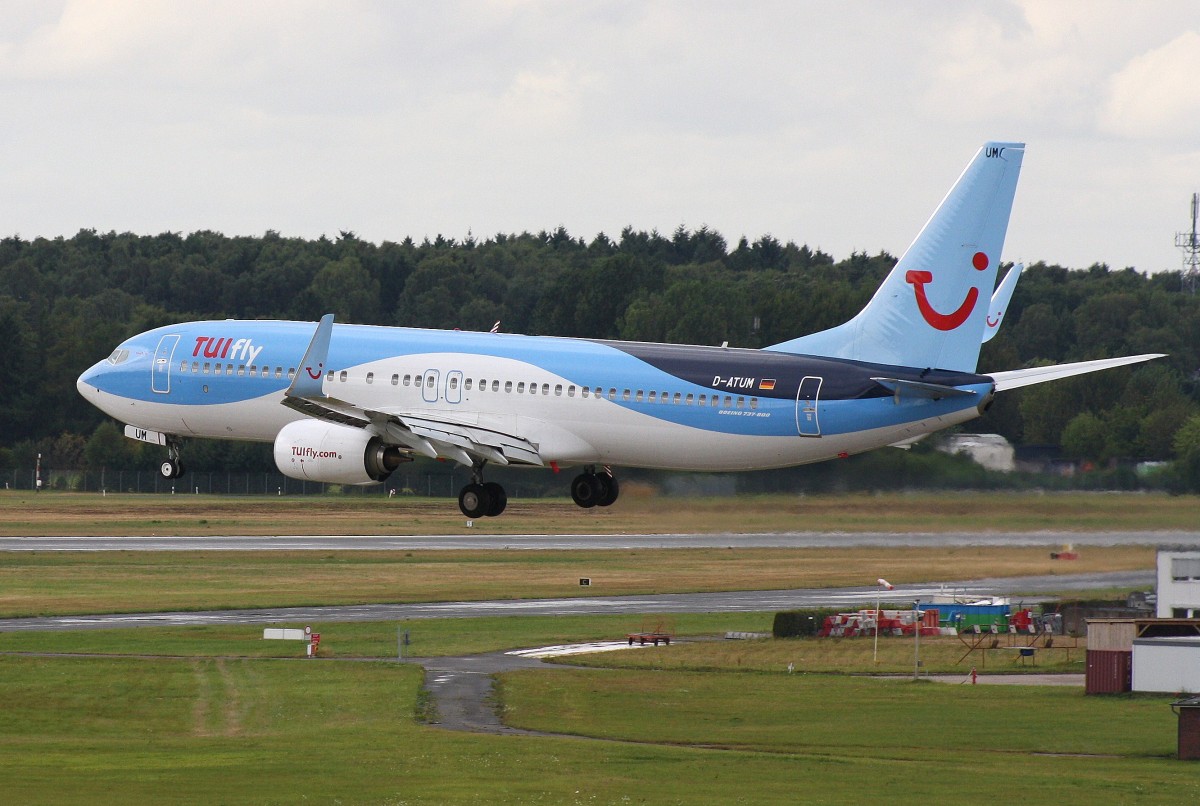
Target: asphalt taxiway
490	542
1028	589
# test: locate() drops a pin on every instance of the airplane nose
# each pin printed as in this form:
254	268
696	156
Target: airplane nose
87	384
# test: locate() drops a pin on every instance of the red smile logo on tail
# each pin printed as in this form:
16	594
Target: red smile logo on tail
945	321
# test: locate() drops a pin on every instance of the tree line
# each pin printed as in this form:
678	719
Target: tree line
66	302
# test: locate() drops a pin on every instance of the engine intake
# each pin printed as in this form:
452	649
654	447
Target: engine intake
311	450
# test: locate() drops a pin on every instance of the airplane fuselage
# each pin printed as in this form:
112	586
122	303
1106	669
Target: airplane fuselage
578	402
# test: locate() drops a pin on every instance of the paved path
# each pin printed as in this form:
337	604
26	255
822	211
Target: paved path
478	541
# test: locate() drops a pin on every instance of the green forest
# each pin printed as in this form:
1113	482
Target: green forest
66	302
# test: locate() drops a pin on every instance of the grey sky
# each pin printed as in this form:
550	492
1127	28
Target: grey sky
839	125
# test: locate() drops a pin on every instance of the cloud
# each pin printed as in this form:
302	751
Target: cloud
1156	95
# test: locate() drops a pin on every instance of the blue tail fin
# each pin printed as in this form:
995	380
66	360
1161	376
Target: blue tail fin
931	310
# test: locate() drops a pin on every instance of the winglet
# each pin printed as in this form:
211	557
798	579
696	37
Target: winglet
1000	301
310	377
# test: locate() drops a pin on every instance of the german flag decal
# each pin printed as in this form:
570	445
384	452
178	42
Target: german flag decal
767	384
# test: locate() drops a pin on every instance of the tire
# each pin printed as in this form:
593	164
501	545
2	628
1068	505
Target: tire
497	497
474	501
585	491
169	469
611	490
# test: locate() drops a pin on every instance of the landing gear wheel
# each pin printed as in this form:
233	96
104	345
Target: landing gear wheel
170	469
474	501
611	490
497	497
585	490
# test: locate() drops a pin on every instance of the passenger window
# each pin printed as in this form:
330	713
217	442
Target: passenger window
583	391
521	388
689	400
229	369
370	377
754	402
625	395
545	388
612	394
558	390
703	400
639	396
715	401
253	369
278	372
241	369
675	400
508	386
429	379
454	383
728	401
571	391
417	381
495	386
266	372
664	398
395	380
741	403
291	373
653	397
183	367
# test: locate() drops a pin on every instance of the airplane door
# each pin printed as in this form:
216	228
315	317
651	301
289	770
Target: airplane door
807	422
429	392
454	381
160	372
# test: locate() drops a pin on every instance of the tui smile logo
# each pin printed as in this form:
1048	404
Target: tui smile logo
935	318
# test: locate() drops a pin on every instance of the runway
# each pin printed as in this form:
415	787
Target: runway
488	542
1029	589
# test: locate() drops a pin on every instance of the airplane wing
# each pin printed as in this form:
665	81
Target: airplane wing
1000	300
435	437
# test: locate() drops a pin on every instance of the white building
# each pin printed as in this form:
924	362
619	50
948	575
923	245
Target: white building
1178	583
990	450
1170	665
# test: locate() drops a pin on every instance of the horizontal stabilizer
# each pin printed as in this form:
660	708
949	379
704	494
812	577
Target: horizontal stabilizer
929	391
1016	378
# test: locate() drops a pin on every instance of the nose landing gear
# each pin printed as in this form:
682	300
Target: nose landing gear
172	466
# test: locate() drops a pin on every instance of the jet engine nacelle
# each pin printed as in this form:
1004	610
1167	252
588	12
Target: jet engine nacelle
311	450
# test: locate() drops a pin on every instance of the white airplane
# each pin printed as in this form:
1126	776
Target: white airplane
349	403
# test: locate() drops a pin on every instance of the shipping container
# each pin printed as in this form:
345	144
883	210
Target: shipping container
1108	671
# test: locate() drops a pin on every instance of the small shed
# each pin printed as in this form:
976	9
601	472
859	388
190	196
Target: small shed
1188	711
1169	664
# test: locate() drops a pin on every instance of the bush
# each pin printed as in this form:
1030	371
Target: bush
797	623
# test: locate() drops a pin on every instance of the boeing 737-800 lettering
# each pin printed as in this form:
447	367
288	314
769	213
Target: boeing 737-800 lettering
349	403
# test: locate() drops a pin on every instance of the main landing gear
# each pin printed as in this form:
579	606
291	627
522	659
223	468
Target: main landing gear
479	499
592	489
172	466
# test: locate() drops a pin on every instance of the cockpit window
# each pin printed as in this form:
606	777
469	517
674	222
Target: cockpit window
119	356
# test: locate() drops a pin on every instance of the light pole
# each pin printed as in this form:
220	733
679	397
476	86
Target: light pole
916	639
883	585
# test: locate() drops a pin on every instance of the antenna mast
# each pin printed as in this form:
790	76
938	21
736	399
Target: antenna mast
1189	242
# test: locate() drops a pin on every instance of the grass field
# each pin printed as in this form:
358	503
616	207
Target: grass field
57	583
224	730
24	513
217	715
